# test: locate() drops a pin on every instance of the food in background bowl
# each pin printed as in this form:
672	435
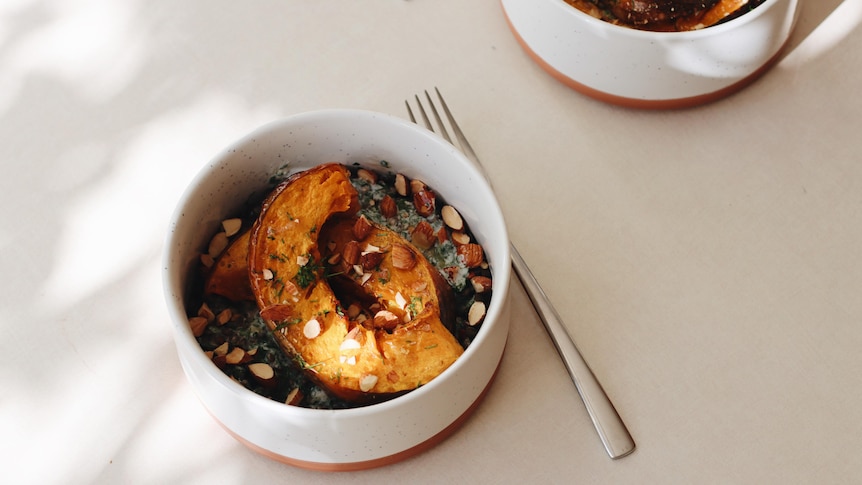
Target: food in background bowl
333	439
366	287
665	15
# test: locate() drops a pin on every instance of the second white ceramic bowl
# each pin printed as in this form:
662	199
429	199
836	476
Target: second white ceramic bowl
363	437
642	69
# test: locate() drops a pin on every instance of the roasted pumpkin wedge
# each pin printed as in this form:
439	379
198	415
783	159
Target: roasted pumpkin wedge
229	275
359	361
401	297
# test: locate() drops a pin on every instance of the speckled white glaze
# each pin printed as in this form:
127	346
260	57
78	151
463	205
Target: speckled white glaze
353	438
626	66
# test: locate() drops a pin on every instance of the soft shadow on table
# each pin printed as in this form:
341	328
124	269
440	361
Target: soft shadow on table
811	15
92	210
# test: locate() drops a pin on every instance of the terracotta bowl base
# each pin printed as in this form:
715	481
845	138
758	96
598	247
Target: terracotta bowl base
647	104
375	463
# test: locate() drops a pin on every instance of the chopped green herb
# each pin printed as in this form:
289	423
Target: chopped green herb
279	257
415	305
287	323
307	274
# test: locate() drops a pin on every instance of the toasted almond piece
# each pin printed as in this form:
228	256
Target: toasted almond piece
198	325
221	350
334	259
231	226
251	352
217	245
476	313
460	238
400	300
416	185
424	201
349	344
471	254
278	313
402	187
367	382
263	373
403	257
355	333
367	175
311	329
423	235
206	312
218	360
452	218
362	228
481	284
235	356
388	208
294	397
262	370
370	260
224	316
386	320
370	248
351	252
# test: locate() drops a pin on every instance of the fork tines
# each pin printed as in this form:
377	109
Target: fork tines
441	127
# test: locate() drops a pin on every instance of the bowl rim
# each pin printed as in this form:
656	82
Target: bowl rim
172	280
683	35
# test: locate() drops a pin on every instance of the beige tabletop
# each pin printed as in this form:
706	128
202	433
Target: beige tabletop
707	261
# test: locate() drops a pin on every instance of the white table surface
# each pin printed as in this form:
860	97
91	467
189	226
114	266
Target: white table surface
706	260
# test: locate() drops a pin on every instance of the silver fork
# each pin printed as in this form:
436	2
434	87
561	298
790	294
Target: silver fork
614	435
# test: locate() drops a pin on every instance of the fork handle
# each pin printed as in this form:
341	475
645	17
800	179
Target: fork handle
612	431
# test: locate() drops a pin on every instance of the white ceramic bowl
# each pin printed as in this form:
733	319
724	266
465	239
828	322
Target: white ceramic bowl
642	69
352	438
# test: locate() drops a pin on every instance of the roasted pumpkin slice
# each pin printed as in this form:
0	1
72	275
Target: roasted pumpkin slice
229	274
403	298
354	361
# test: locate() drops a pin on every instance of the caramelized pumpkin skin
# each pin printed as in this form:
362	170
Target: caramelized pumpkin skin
355	361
